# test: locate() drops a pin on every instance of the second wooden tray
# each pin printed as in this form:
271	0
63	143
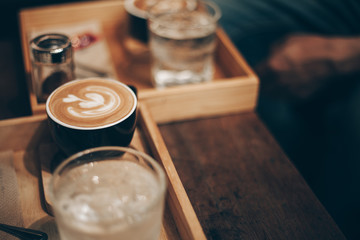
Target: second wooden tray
234	88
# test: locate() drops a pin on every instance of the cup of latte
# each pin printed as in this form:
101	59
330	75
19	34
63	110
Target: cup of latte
91	112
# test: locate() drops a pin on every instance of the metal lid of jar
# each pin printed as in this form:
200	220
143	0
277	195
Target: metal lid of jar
51	48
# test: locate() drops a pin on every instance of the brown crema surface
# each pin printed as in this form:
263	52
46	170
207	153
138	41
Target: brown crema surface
91	103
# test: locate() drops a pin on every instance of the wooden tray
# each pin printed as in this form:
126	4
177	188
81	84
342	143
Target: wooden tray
31	136
234	88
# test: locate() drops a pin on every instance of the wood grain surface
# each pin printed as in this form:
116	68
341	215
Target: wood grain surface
241	184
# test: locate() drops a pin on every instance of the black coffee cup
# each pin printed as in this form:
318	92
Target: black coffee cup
72	114
137	14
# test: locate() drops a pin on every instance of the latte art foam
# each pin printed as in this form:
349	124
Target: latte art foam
97	101
91	103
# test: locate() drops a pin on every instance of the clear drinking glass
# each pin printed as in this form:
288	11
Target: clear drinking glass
108	193
182	41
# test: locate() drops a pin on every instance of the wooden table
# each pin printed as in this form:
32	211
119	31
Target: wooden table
241	184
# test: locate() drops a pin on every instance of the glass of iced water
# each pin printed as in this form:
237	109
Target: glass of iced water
108	193
182	41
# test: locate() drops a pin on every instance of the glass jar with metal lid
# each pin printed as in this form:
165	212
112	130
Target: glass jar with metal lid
52	63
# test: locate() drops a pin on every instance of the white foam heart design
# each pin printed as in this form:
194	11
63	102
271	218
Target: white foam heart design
95	104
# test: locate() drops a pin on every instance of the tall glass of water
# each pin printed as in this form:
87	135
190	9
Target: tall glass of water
182	41
108	193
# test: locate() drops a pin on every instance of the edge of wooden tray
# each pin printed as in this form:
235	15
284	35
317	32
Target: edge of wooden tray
179	203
